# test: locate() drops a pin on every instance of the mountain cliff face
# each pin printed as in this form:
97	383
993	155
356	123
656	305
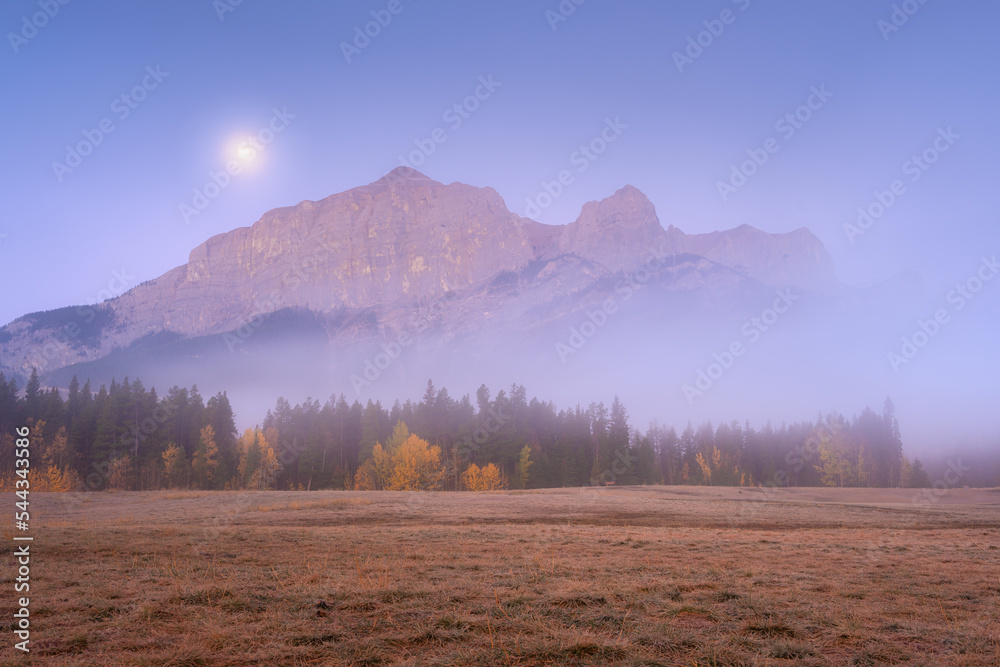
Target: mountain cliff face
402	239
366	260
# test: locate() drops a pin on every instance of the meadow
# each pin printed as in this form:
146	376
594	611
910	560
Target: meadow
653	575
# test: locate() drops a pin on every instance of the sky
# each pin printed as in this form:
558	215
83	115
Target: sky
120	119
77	234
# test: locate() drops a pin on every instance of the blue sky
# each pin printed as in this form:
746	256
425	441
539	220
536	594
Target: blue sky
72	237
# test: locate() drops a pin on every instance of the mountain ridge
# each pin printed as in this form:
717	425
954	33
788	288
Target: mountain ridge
404	240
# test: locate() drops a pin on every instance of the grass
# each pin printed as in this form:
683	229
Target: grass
626	576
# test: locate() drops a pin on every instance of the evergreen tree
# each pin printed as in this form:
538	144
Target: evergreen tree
918	476
33	397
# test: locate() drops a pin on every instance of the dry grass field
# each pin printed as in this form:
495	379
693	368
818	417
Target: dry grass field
596	576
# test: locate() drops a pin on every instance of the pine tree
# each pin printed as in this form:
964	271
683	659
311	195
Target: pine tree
893	444
219	415
33	396
918	476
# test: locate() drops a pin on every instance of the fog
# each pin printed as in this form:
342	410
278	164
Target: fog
671	355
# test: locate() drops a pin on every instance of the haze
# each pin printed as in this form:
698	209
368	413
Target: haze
913	104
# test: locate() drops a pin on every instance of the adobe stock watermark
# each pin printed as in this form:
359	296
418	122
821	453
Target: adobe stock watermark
562	13
30	25
753	329
380	362
420	321
120	283
900	16
877	549
949	480
786	126
795	461
254	321
714	28
928	329
596	319
470	445
223	7
914	168
122	107
247	151
455	115
581	158
295	278
381	18
620	465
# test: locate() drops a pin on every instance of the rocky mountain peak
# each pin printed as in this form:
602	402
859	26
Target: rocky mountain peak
404	174
615	231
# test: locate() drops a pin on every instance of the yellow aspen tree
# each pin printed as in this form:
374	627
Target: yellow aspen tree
706	471
206	459
417	466
174	466
472	478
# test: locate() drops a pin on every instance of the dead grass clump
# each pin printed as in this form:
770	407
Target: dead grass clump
786	651
398	595
204	597
700	612
582	600
78	643
315	640
769	628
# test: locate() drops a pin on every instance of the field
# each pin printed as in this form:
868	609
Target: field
595	576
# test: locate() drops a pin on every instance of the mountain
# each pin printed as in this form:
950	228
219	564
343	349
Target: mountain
408	258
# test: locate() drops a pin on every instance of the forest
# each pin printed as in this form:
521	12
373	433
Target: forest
125	437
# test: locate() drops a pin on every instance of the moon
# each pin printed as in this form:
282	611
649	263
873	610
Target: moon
245	152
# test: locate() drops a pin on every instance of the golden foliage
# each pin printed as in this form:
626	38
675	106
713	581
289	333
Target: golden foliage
416	466
47	480
487	478
206	459
121	474
406	463
174	465
706	470
374	474
258	467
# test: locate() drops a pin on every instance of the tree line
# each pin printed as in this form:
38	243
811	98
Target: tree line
123	436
